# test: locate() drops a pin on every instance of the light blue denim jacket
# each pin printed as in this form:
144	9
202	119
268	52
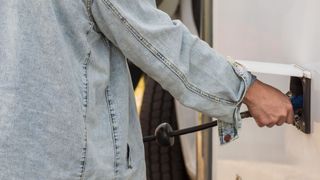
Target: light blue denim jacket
67	108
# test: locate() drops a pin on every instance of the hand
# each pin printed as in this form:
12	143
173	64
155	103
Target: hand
268	106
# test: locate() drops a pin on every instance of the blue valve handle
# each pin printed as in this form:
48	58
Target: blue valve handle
297	102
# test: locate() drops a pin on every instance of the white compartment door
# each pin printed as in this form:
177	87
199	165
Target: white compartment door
278	31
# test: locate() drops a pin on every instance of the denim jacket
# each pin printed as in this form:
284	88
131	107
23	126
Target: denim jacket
67	109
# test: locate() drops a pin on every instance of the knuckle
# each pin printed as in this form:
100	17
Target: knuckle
260	123
270	125
264	121
274	120
279	123
284	112
290	120
290	104
283	115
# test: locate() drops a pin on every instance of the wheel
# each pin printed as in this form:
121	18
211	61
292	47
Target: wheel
163	163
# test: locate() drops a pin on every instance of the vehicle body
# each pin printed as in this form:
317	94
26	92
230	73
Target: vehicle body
267	31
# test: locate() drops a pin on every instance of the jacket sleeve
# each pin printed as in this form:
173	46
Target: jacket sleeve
193	72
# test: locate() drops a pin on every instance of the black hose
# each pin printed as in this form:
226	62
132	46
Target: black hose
192	129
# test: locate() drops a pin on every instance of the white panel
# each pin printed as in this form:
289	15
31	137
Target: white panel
275	68
287	32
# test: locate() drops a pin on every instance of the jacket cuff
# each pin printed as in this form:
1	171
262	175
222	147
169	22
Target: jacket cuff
229	131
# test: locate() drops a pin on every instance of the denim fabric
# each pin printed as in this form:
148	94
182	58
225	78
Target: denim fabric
67	109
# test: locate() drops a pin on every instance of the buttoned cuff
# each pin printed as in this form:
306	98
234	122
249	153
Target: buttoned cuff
229	131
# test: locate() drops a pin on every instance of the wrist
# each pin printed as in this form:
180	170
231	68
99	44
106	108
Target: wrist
253	88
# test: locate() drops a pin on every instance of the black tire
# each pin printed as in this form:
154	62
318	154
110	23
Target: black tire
163	163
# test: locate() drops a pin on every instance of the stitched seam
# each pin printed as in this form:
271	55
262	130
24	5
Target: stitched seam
88	8
88	5
90	29
84	109
164	60
114	132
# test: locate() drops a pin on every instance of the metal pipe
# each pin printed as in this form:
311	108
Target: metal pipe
206	21
204	151
204	138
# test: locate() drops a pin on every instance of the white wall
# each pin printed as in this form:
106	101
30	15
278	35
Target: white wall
286	31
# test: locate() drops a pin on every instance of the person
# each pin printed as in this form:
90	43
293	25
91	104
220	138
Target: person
67	108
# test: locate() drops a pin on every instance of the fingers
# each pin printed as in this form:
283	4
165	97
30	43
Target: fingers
279	121
271	124
262	122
